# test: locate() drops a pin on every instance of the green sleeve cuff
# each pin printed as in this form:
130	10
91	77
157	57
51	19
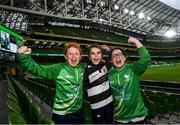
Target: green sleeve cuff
21	56
141	48
143	52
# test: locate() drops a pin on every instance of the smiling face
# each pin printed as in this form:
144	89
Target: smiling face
95	55
118	58
73	56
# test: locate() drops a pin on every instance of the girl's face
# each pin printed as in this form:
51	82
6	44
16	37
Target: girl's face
95	55
73	56
117	58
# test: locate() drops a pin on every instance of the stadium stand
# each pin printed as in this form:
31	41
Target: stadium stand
48	26
22	109
158	100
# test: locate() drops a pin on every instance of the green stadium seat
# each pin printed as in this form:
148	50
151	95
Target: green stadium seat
176	102
160	103
35	114
169	99
13	107
27	105
15	119
12	97
12	92
30	112
150	105
47	121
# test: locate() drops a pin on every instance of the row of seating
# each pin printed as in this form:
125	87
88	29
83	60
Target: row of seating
47	83
81	33
42	89
22	109
159	103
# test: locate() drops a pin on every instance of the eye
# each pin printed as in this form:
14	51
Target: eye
92	53
99	52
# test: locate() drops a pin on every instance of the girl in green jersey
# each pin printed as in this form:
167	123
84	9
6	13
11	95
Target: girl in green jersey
124	80
68	76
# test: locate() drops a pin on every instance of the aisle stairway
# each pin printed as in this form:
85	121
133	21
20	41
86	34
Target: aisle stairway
3	99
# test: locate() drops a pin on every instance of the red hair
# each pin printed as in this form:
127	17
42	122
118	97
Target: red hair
72	45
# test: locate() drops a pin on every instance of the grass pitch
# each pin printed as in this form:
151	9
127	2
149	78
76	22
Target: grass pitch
167	73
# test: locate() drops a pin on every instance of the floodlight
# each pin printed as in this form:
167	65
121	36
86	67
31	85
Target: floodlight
170	33
132	12
148	18
102	3
116	7
141	15
89	1
126	10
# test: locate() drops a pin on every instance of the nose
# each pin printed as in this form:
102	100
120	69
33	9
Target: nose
74	55
96	55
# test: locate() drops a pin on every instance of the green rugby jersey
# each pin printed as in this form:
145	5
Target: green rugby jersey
124	81
68	79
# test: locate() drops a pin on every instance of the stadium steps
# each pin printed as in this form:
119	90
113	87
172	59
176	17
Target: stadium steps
3	99
173	119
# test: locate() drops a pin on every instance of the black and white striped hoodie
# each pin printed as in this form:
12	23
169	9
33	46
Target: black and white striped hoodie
97	85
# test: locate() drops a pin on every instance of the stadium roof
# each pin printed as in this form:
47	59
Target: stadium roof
148	17
173	3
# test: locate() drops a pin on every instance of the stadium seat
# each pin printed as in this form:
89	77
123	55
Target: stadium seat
15	119
160	103
13	107
12	92
12	97
176	102
47	121
27	105
150	105
169	99
35	114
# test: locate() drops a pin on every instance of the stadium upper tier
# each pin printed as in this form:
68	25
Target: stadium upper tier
47	45
97	35
81	33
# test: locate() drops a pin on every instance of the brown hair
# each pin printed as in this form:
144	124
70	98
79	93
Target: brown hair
122	50
72	45
93	46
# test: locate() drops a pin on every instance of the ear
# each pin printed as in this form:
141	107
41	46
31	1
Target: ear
125	59
88	57
65	56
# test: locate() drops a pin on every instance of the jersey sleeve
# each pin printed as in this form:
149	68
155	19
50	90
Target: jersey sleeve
108	65
107	61
48	72
142	64
85	78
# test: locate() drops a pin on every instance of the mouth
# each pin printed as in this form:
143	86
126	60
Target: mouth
74	61
96	60
118	62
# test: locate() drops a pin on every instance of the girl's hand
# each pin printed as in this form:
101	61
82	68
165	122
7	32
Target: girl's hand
105	47
24	50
